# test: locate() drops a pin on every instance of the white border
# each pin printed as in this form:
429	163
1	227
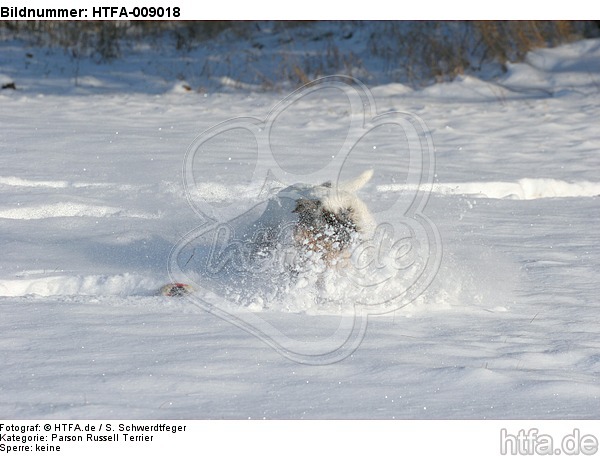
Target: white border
347	438
372	10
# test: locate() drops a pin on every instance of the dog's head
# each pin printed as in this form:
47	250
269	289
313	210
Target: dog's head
323	230
326	218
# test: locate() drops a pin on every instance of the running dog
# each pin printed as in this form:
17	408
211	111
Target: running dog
325	219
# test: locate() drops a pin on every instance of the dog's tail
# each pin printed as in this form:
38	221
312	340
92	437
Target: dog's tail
356	184
344	197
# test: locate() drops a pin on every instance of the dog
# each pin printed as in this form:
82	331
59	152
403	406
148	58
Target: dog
332	219
325	219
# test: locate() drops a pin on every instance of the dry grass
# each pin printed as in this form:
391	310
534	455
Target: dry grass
425	51
416	53
511	40
105	38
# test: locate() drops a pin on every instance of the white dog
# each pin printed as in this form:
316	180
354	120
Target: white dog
322	219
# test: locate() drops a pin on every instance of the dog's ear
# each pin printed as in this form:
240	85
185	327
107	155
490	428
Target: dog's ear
300	204
304	206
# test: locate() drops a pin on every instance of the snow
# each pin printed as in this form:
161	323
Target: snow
526	188
92	203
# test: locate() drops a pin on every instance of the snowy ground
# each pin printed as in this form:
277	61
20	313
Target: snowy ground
92	201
